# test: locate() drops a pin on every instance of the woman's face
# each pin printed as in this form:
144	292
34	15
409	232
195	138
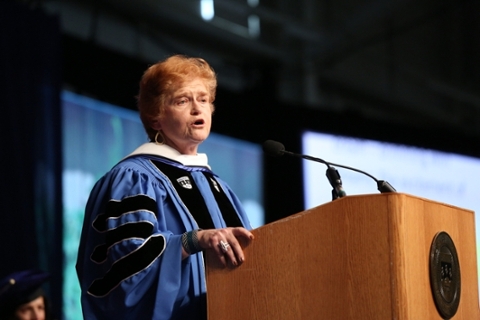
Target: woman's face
187	117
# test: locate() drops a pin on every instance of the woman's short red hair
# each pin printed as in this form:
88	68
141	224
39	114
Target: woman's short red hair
162	79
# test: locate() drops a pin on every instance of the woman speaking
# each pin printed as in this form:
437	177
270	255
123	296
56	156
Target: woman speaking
148	219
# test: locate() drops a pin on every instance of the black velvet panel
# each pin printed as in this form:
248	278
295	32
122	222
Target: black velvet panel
192	198
229	214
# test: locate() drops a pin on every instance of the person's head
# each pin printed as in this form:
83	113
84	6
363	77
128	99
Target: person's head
22	297
33	310
175	101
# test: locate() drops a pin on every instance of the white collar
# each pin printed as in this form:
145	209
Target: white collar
151	148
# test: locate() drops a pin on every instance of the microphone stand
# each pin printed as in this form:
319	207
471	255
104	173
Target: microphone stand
334	177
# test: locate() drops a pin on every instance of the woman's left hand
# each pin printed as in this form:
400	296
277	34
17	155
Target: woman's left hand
226	243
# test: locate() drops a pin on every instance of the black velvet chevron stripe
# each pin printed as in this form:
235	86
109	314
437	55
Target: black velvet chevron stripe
140	230
99	254
128	266
115	209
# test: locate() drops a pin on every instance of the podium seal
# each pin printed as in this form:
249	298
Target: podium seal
445	275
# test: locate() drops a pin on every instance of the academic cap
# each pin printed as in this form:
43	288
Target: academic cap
21	287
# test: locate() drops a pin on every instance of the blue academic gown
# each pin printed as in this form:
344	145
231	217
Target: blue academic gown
129	261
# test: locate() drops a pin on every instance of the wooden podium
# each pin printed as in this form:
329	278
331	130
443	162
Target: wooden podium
358	257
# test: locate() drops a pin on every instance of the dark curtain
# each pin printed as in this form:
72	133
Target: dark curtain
30	124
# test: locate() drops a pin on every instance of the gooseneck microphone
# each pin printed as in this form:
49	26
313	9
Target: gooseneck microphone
277	149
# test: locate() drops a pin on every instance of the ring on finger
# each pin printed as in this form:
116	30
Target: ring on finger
224	246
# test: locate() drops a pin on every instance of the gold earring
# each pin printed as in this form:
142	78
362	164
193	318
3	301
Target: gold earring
156	137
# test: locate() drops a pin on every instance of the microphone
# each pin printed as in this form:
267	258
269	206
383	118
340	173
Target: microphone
277	149
336	182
